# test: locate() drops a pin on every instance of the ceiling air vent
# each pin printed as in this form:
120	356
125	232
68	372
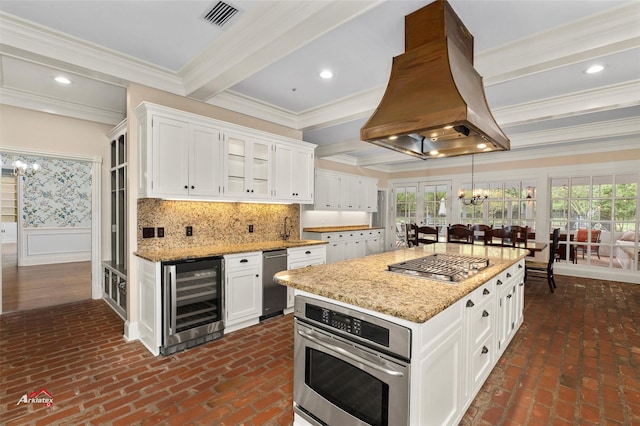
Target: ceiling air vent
221	13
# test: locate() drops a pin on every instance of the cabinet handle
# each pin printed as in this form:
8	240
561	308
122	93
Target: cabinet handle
470	304
248	190
257	275
192	187
521	284
484	350
499	282
307	252
509	296
328	205
508	275
186	187
252	190
244	261
485	313
485	292
519	266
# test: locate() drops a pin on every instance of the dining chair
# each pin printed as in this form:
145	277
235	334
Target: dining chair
520	234
459	233
500	237
410	234
426	234
480	231
582	236
542	269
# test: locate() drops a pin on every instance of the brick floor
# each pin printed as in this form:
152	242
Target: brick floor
576	360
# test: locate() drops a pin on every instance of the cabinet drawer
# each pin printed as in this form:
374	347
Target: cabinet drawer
301	253
482	317
481	364
243	260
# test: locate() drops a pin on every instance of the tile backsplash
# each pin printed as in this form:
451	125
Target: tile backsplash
213	223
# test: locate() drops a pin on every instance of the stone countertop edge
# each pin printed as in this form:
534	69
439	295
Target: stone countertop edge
322	229
367	283
171	255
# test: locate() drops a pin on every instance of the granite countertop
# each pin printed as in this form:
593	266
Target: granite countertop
341	228
367	283
222	249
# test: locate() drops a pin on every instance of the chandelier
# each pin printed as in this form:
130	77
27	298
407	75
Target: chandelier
20	168
477	195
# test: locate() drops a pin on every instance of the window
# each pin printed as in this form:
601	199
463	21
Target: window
598	220
510	202
434	206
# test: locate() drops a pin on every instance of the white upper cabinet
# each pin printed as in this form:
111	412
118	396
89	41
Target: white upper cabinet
327	194
293	173
186	156
182	155
247	161
344	192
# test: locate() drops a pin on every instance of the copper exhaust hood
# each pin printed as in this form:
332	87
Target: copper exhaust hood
434	104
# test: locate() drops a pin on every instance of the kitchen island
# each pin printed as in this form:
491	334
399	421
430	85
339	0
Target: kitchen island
458	331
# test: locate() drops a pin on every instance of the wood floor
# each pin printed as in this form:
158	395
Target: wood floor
31	287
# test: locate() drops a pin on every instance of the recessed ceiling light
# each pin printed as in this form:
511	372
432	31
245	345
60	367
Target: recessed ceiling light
434	152
393	138
481	145
326	74
594	69
62	80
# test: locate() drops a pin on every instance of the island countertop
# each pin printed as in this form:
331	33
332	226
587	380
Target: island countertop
367	283
170	255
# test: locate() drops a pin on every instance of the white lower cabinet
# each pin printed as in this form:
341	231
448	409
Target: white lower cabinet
150	305
350	244
454	352
301	257
243	290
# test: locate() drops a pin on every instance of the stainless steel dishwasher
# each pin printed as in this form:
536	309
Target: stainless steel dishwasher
274	296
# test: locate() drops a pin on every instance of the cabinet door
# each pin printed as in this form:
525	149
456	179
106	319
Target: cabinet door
247	167
283	161
170	157
302	176
327	191
370	195
260	169
293	174
204	158
243	295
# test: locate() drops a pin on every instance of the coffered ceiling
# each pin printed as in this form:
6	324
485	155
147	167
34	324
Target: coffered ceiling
265	61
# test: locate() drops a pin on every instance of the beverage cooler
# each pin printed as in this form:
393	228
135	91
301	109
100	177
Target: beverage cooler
193	308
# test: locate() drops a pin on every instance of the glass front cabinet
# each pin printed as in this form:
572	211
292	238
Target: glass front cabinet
115	269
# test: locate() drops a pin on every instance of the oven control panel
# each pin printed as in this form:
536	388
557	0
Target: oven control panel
348	324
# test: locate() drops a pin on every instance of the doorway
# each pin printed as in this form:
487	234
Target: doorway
61	278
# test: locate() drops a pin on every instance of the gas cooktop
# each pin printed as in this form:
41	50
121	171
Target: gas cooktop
443	267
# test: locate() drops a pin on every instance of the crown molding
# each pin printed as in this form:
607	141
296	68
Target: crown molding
84	57
601	99
31	101
605	33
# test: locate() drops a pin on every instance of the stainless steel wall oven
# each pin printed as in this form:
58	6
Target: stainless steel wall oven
350	368
193	303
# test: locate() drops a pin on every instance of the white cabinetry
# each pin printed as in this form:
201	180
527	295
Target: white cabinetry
437	392
294	173
344	192
187	156
327	194
509	306
301	257
350	244
247	171
243	290
180	159
150	305
480	314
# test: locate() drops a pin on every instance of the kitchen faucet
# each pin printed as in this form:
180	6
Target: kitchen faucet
285	235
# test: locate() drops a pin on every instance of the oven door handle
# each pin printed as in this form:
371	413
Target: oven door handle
349	355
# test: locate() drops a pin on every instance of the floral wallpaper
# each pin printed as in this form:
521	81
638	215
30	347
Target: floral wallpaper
58	196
